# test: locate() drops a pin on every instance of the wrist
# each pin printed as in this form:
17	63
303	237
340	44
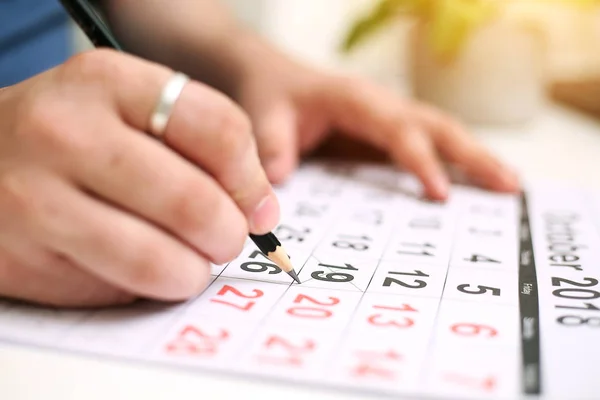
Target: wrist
242	55
203	40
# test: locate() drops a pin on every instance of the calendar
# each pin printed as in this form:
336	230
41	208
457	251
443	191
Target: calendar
483	296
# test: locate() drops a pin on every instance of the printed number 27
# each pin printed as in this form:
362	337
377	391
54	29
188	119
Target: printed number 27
256	293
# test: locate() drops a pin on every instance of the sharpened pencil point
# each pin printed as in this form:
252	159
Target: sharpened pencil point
293	274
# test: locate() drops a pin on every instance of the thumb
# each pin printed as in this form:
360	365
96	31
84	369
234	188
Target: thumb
276	137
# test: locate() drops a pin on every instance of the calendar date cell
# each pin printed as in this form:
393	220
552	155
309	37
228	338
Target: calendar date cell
236	299
392	365
342	274
38	324
485	255
124	331
473	373
281	351
474	324
253	264
200	341
354	240
299	233
312	308
482	286
389	317
407	279
418	248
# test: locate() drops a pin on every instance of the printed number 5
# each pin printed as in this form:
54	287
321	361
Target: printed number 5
481	290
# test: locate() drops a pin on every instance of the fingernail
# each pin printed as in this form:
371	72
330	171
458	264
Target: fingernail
510	179
273	169
440	186
265	216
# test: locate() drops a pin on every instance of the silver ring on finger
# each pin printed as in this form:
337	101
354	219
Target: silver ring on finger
164	107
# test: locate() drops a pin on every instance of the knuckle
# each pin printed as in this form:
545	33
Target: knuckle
187	214
39	119
24	203
16	195
234	131
92	65
149	263
206	218
44	131
165	272
233	246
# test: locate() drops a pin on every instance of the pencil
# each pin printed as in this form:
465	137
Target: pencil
87	18
272	248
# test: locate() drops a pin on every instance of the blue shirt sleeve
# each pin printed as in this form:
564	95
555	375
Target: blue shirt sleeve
35	35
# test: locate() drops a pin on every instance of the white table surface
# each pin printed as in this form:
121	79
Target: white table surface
559	145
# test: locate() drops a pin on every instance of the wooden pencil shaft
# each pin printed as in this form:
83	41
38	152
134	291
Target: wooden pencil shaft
281	259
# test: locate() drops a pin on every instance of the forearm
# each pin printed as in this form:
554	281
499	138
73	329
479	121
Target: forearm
201	38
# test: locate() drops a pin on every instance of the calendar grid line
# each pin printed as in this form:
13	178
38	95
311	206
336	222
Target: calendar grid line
344	336
150	343
375	312
260	324
432	339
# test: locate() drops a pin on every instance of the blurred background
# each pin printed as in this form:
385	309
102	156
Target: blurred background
490	62
493	62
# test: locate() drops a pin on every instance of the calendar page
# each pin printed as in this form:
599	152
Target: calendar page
484	296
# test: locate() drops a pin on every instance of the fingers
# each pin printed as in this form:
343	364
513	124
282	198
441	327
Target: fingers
413	150
111	245
131	84
51	280
275	133
211	131
371	114
147	179
417	137
205	127
461	149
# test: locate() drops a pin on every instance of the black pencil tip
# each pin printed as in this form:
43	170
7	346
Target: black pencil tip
293	274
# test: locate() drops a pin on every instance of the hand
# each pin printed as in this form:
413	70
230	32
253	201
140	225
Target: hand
94	211
295	108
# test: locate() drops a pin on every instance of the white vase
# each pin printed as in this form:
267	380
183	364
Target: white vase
496	78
